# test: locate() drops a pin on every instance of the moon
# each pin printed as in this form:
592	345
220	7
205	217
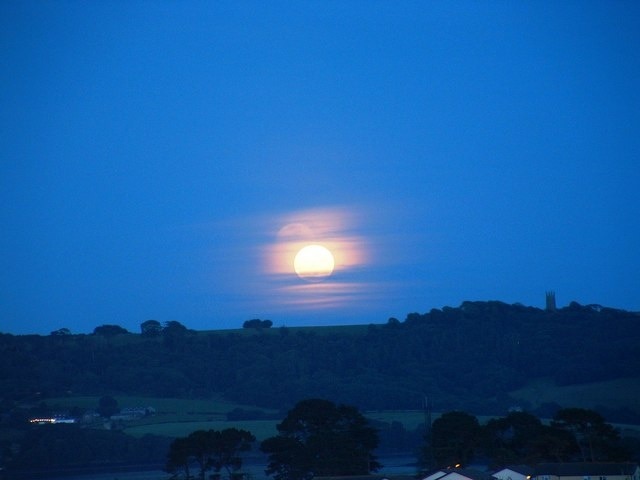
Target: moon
314	263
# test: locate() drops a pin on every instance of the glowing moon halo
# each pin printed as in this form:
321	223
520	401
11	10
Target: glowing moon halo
313	263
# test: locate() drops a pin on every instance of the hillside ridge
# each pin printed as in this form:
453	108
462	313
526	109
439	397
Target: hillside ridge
471	357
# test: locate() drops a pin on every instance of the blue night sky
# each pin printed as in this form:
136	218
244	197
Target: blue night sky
166	160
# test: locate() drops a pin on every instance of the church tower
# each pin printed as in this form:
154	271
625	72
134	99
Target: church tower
551	301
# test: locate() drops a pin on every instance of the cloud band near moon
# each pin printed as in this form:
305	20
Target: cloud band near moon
262	278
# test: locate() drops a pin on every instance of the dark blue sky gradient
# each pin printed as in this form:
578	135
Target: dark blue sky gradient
151	152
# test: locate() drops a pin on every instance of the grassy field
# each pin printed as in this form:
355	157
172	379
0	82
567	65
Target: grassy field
613	394
262	429
177	408
276	330
410	419
173	416
179	417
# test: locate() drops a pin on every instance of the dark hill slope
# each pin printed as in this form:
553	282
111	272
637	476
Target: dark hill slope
466	357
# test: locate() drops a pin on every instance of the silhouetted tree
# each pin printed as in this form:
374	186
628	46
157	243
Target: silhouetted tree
150	328
210	449
455	436
107	406
511	439
318	437
257	323
109	330
596	439
174	327
178	457
393	322
173	333
554	445
227	445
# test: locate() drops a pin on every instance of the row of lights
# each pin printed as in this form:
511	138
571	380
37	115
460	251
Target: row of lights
41	421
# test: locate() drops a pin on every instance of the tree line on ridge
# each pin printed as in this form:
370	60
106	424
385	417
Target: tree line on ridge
465	358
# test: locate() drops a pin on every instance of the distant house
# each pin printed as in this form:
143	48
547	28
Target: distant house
435	475
133	413
365	477
515	472
467	474
458	474
587	471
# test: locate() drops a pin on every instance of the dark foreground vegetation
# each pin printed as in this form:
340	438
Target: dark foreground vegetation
574	435
316	438
69	448
320	438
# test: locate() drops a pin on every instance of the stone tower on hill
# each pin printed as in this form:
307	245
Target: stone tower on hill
551	301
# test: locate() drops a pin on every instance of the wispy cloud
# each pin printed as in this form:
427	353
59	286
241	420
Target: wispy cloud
256	260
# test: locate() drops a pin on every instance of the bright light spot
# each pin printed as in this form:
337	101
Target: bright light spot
334	229
314	263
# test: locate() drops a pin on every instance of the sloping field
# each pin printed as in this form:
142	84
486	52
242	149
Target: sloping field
619	393
262	429
360	329
179	417
213	408
410	419
168	410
